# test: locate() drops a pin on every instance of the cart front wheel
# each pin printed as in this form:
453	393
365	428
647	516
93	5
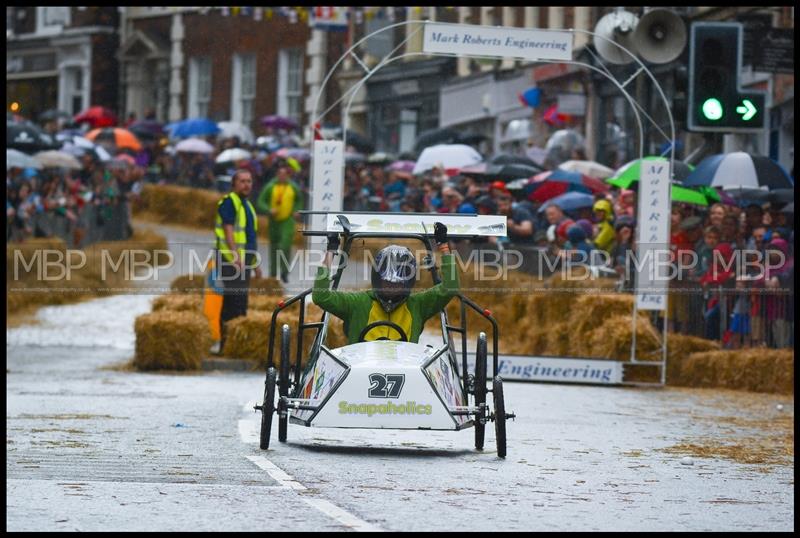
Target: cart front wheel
283	386
268	407
480	390
499	416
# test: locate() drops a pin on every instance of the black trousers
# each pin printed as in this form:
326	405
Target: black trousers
234	295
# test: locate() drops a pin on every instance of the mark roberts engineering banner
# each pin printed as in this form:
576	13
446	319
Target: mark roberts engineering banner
558	369
500	41
653	242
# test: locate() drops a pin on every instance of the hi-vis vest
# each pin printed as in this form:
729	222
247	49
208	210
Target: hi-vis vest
239	234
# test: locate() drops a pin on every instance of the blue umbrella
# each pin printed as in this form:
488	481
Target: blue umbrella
570	201
739	171
193	127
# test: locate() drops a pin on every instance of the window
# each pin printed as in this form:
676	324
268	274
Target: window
290	83
243	94
75	89
51	20
199	86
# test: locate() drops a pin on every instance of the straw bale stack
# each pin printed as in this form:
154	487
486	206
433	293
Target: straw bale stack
613	339
178	302
754	369
169	340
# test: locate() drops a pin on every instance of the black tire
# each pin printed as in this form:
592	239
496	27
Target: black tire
283	383
268	407
499	416
480	388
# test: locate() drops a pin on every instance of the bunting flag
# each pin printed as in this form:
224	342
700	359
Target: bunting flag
225	11
293	16
269	14
258	13
530	97
359	16
235	11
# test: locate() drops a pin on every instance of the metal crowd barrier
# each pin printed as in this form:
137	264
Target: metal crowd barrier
109	222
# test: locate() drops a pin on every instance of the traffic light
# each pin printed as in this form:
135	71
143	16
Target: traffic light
716	103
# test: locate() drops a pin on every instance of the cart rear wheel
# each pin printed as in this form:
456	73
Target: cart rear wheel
283	384
268	407
499	416
480	389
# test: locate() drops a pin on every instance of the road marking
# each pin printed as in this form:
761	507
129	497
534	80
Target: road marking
249	433
340	515
276	473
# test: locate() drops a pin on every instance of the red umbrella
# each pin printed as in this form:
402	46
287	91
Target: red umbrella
97	116
547	185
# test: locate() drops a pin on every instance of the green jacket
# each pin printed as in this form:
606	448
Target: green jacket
264	201
359	308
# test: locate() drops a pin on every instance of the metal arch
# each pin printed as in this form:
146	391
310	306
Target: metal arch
634	104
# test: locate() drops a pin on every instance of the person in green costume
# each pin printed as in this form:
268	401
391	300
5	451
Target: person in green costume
280	200
393	275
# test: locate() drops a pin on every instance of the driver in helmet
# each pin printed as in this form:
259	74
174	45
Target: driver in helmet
390	300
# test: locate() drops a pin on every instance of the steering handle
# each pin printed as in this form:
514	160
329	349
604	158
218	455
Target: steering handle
390	324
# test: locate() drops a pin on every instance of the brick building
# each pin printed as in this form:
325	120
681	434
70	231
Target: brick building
61	57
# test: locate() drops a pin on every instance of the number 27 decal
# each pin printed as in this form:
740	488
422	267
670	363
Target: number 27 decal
386	385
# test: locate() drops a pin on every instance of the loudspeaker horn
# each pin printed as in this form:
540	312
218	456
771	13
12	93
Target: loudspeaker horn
660	36
617	26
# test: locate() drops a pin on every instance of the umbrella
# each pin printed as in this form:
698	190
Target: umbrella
77	146
471	138
361	143
447	156
27	137
194	145
279	122
480	169
511	171
149	129
570	201
688	196
740	171
53	114
301	154
512	159
562	144
379	158
57	159
402	166
270	143
193	127
116	136
551	184
434	137
230	129
354	158
97	116
588	168
233	155
17	159
630	172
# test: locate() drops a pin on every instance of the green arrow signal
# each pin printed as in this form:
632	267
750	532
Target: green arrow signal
747	109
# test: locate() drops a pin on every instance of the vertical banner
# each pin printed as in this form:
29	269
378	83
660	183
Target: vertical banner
652	251
327	183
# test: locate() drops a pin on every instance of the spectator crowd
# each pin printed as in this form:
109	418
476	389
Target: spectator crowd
712	297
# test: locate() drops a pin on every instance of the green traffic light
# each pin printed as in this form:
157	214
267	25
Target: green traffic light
712	109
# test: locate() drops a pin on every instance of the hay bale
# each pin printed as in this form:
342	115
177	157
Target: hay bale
559	340
613	339
178	302
754	370
248	337
168	340
588	312
188	284
679	347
